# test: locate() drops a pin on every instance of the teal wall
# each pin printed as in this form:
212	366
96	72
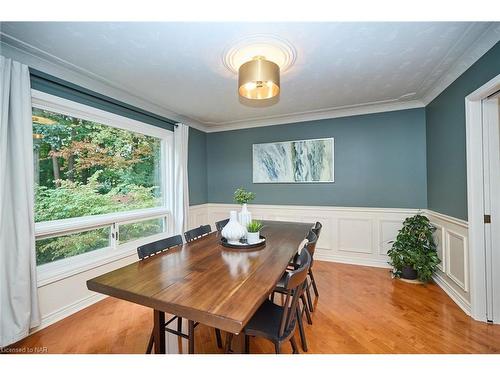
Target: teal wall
379	162
445	128
197	167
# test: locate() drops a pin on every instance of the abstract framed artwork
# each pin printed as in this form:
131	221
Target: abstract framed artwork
301	161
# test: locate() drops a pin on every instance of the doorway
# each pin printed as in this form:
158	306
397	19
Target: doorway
491	170
483	192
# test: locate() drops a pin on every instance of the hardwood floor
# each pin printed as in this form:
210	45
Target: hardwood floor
360	310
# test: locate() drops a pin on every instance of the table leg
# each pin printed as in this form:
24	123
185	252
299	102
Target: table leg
191	337
236	343
159	332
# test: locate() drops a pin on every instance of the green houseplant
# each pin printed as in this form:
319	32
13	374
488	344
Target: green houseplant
241	196
253	231
413	254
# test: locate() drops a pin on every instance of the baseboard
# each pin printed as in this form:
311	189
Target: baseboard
68	310
457	298
325	255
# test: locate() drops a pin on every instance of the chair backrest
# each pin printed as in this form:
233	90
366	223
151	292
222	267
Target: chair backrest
310	246
312	240
159	246
221	224
317	228
294	284
196	233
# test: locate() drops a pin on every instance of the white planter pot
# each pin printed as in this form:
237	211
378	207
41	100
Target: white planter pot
233	231
253	237
244	216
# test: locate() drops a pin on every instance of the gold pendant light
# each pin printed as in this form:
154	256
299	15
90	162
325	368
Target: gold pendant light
259	79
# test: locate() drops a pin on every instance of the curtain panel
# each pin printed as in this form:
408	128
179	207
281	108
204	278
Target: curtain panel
19	309
181	187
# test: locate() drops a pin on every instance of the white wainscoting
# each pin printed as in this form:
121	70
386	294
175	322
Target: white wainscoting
354	235
358	235
453	276
351	235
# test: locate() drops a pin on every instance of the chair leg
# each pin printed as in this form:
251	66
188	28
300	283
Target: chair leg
179	324
294	345
150	344
306	309
277	347
309	299
301	330
313	282
247	344
219	338
191	336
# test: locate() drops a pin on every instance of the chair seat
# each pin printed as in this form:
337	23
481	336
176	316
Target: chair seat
266	322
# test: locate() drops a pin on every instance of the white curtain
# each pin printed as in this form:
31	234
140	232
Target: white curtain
181	187
18	290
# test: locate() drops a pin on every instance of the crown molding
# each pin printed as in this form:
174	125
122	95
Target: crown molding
337	112
41	60
53	65
478	48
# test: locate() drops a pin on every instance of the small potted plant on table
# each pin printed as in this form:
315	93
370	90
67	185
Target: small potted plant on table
253	231
413	255
241	196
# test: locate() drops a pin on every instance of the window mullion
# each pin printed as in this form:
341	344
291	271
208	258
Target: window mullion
114	236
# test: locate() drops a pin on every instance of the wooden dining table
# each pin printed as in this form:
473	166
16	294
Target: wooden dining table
204	281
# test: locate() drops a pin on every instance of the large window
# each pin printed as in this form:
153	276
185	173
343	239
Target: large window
101	180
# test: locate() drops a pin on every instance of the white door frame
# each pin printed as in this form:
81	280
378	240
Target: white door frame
475	195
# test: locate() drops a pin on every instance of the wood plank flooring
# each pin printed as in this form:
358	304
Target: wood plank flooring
360	310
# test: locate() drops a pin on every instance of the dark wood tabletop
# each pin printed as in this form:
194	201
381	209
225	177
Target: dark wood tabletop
206	282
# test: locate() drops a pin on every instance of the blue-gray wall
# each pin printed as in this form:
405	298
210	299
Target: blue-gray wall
446	152
197	167
379	162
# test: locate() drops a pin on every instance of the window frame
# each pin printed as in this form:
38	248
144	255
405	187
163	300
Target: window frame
63	268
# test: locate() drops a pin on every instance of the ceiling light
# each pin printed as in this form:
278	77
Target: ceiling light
259	79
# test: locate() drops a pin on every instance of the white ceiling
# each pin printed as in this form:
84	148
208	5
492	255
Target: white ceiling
179	66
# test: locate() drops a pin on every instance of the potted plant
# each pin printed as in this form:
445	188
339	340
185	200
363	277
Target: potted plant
253	231
242	196
413	254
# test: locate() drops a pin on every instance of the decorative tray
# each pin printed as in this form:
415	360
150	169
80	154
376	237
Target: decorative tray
243	244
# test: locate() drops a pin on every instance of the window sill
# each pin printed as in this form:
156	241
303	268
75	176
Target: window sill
55	271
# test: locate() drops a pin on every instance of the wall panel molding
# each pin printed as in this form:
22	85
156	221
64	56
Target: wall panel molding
65	297
340	239
453	248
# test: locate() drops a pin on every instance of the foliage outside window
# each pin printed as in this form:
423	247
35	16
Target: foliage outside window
84	168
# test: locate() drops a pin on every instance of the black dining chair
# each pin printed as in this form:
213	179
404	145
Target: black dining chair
221	224
277	323
196	233
317	230
306	305
149	250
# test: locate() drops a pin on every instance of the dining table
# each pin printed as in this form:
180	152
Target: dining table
206	282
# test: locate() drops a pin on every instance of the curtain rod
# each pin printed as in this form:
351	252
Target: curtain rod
49	78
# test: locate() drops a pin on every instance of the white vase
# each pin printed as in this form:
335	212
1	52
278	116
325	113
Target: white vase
253	237
244	216
233	231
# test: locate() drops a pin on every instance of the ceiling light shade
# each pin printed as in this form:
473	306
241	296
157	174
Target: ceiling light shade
259	79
